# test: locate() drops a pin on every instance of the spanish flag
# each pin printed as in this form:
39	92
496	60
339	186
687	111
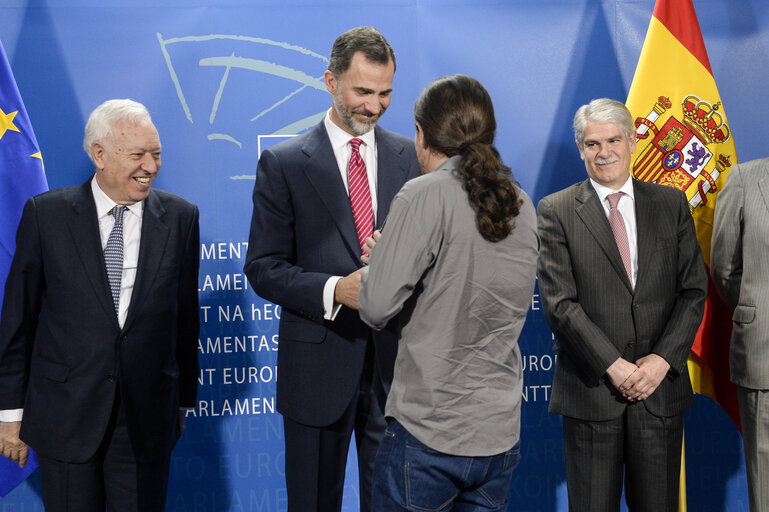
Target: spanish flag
684	141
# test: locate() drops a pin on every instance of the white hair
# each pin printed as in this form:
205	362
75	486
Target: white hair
603	110
104	118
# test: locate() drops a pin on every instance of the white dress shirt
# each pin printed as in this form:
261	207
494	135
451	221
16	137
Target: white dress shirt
626	207
340	143
132	227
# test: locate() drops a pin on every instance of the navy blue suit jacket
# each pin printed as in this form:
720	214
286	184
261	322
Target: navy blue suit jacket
302	233
62	351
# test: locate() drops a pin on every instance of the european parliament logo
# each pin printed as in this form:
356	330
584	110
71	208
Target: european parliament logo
247	92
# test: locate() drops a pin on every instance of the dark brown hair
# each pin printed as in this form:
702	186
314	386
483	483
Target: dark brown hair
367	40
457	118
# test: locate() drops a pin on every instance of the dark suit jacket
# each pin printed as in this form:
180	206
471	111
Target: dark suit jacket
62	352
597	316
302	233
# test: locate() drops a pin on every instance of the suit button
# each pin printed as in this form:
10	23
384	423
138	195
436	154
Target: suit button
111	378
635	306
630	344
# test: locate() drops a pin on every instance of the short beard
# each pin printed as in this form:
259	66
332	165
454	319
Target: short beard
347	117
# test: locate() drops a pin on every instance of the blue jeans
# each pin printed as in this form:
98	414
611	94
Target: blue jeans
411	476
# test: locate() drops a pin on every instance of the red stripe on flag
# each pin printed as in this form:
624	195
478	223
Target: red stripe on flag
712	346
681	20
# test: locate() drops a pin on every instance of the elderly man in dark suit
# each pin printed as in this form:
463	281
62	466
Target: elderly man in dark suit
99	328
317	198
623	287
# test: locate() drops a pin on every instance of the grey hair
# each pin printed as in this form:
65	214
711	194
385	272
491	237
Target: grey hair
603	110
367	40
104	118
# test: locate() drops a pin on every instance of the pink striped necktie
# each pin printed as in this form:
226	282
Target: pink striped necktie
620	233
360	196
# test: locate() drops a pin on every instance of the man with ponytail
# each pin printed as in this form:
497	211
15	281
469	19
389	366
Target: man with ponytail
456	264
623	288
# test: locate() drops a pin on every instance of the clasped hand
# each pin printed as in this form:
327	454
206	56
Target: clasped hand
638	381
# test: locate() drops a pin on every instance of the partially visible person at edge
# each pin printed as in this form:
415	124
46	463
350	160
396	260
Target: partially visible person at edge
740	270
456	263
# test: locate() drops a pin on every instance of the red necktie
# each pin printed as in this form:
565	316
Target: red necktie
360	196
620	233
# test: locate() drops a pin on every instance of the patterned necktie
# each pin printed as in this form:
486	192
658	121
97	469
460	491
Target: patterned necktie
113	254
620	233
360	196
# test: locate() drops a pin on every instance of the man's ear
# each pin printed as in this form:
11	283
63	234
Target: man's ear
97	154
331	81
419	137
581	151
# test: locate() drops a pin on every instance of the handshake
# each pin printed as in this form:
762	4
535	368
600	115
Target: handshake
347	288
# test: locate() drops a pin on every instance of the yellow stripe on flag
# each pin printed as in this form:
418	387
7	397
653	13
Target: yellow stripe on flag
684	141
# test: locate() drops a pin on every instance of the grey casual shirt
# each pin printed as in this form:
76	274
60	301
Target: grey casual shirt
462	302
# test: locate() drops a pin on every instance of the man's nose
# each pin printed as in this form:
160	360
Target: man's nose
373	105
148	163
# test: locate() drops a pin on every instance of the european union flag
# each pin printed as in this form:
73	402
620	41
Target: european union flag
21	177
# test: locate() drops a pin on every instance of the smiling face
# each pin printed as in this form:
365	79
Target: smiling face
361	94
606	151
128	161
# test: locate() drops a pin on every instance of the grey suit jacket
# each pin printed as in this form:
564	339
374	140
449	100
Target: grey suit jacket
739	265
597	316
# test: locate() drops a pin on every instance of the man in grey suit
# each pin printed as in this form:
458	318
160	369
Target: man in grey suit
740	271
623	287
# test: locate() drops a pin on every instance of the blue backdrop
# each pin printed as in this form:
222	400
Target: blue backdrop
224	79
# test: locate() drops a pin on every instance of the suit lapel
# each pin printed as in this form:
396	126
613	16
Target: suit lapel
84	230
391	173
323	173
152	247
592	214
763	185
646	220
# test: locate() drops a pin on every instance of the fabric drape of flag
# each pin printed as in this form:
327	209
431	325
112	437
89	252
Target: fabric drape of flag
21	176
684	141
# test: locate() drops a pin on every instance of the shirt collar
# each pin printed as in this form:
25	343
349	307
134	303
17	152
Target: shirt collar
339	138
104	204
603	191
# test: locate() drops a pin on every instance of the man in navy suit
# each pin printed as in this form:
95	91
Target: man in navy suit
316	198
98	348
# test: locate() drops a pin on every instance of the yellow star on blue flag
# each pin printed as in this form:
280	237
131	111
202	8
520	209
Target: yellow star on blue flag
6	122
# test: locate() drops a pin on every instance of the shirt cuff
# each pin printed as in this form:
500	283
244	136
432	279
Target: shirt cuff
330	308
9	415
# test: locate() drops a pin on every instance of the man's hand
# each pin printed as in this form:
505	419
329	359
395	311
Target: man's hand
651	370
11	446
619	372
370	243
346	290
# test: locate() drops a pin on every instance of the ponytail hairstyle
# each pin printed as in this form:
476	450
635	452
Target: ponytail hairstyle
456	116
